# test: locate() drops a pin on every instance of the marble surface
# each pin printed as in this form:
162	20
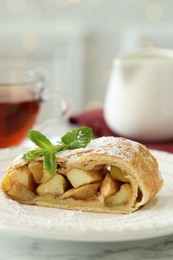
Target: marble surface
16	248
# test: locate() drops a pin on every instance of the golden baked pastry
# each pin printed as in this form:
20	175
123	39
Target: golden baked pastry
110	175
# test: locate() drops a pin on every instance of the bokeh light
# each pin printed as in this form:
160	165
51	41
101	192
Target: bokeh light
154	12
30	41
16	6
32	12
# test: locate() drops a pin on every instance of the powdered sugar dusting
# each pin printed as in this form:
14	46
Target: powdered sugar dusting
112	146
19	157
105	145
81	139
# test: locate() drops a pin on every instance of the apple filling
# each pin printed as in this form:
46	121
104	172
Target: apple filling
109	185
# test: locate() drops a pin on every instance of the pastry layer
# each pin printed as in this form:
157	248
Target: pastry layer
111	175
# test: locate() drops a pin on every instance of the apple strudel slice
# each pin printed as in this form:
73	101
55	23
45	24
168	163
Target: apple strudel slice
110	175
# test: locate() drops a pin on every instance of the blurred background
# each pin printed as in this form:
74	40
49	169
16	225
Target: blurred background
74	42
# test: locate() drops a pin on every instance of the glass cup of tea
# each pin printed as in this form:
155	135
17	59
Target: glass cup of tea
22	93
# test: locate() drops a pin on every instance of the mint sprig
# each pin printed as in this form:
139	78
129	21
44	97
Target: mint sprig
77	138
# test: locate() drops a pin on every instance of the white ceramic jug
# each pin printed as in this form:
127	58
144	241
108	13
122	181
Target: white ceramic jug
139	98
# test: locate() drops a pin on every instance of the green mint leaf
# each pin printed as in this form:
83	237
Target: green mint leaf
39	139
33	154
49	162
77	138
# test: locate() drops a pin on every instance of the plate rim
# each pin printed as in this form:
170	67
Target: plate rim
93	236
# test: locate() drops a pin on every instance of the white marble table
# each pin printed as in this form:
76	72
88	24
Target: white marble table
16	248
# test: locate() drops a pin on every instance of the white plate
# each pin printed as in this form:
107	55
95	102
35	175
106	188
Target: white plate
153	220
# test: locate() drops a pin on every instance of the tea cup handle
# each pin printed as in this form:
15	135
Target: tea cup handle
55	110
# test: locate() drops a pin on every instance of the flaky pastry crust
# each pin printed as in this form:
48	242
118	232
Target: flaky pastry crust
108	156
